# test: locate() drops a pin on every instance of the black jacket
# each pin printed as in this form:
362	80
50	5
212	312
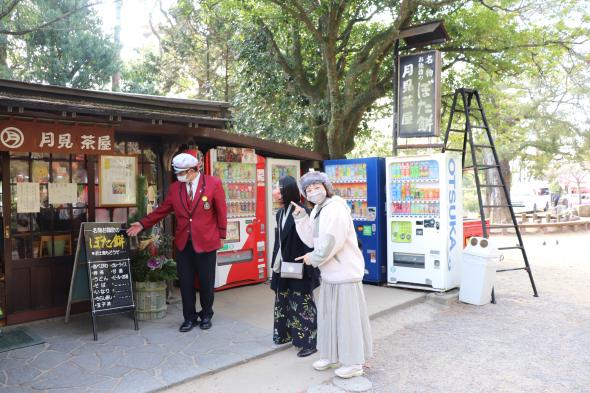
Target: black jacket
292	247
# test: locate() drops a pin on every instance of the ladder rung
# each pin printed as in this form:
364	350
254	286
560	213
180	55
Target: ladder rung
457	130
483	146
502	226
510	270
510	248
480	127
491	185
459	150
495	206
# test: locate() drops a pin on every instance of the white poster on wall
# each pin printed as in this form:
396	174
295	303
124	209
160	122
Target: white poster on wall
28	198
60	193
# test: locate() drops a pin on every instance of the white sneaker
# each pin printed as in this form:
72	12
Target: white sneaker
323	364
355	370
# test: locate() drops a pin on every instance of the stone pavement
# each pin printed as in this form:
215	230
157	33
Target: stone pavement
124	360
156	356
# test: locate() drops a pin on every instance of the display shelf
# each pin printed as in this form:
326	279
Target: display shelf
354	199
240	200
415	216
239	181
416	201
245	215
415	180
349	181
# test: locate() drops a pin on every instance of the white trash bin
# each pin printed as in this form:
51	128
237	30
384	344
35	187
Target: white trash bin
478	273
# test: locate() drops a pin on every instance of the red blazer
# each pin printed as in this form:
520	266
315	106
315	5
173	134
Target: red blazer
206	226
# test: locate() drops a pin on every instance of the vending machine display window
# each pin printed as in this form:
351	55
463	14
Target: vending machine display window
415	189
350	183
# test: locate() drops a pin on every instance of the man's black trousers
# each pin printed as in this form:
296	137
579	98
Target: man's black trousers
189	264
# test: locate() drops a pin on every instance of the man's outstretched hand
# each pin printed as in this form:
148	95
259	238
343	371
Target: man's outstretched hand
134	229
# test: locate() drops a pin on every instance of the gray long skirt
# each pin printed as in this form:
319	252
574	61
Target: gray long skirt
344	332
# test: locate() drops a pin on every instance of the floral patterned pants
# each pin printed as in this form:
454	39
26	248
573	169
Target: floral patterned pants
295	319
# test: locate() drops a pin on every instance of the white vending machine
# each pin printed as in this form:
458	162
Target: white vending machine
275	169
424	221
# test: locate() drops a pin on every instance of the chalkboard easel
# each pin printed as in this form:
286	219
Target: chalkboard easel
102	271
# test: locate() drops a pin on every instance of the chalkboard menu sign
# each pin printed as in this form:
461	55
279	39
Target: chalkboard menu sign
419	95
103	253
109	274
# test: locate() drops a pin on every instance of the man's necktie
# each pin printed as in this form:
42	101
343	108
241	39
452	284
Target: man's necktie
190	193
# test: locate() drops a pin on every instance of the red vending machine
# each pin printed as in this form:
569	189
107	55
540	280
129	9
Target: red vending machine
242	259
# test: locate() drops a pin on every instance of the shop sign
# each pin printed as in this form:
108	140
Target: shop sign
27	136
419	95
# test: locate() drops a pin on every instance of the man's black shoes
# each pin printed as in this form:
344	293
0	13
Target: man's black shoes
188	325
306	352
205	323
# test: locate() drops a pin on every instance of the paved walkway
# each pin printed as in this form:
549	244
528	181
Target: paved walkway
156	356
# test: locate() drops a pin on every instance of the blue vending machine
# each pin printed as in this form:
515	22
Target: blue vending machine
361	182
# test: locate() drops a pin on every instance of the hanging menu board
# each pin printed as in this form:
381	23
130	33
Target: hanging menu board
103	249
419	95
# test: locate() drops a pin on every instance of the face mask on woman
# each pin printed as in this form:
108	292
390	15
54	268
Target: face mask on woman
317	196
182	178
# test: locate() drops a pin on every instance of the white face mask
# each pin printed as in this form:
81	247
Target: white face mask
182	179
317	196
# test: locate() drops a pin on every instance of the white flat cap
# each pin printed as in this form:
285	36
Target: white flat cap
184	161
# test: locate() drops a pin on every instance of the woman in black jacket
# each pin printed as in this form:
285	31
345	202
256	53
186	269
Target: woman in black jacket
295	313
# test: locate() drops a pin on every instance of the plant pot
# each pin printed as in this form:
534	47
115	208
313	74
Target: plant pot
150	298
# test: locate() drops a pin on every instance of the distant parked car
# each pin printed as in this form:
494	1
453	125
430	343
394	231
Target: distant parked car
530	199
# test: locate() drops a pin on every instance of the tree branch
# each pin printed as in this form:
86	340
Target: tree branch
301	14
49	23
295	72
9	9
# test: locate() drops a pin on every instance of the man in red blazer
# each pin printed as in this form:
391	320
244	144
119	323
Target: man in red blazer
198	202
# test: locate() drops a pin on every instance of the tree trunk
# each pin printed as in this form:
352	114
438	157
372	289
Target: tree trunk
116	78
495	195
4	71
226	92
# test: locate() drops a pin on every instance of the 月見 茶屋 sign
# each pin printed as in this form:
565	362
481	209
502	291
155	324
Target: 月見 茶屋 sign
419	95
27	136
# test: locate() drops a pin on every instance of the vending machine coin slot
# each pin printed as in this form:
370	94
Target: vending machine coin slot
429	223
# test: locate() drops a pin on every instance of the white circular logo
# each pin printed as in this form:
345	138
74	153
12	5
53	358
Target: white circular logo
12	137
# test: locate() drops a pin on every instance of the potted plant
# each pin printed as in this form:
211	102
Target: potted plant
151	265
151	268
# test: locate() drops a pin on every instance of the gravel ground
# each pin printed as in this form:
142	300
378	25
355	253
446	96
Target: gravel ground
521	344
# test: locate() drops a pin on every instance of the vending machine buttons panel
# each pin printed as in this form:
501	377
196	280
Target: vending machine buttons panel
401	231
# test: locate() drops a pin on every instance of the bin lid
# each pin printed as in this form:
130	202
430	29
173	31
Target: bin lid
481	247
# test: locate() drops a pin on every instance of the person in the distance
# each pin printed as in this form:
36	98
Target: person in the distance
344	332
198	203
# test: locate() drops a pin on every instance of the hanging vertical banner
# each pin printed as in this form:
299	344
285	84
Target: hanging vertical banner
419	95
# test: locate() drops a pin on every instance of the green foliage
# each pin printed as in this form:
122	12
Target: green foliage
151	263
57	42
